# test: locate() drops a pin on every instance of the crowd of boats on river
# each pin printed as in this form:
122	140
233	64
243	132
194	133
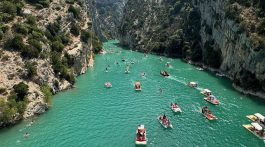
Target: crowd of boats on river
256	126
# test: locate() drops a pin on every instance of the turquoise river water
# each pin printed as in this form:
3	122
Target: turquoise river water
91	115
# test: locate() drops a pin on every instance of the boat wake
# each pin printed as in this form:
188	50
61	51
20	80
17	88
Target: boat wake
183	81
177	79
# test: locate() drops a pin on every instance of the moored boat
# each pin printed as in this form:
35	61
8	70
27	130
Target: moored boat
258	118
256	129
192	84
108	85
220	74
206	92
164	121
212	99
175	108
137	86
141	135
199	68
208	114
164	73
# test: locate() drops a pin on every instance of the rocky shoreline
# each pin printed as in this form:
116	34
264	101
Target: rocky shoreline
218	71
64	52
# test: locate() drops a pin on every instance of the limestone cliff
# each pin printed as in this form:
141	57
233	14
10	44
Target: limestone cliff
44	45
109	13
227	35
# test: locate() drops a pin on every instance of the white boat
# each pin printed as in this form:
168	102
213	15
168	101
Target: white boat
256	129
141	135
137	86
199	68
108	85
206	92
164	122
175	108
212	99
220	74
192	84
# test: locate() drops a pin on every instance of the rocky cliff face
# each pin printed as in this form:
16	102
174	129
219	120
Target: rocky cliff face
226	35
44	45
242	59
107	16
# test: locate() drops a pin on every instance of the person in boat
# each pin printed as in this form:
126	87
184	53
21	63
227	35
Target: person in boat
174	105
164	117
205	109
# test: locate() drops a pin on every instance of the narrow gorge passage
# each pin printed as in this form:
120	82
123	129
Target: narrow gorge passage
91	115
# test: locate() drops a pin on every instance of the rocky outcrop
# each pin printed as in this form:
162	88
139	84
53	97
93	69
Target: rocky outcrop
242	61
52	67
225	35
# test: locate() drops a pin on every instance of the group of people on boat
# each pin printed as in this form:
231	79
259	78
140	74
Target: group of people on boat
205	110
140	136
174	105
208	114
164	120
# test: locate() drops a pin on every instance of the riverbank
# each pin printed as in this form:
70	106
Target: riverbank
218	71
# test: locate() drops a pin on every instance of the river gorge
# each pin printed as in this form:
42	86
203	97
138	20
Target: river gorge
92	115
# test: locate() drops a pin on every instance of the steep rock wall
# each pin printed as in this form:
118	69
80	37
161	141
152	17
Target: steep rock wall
221	34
